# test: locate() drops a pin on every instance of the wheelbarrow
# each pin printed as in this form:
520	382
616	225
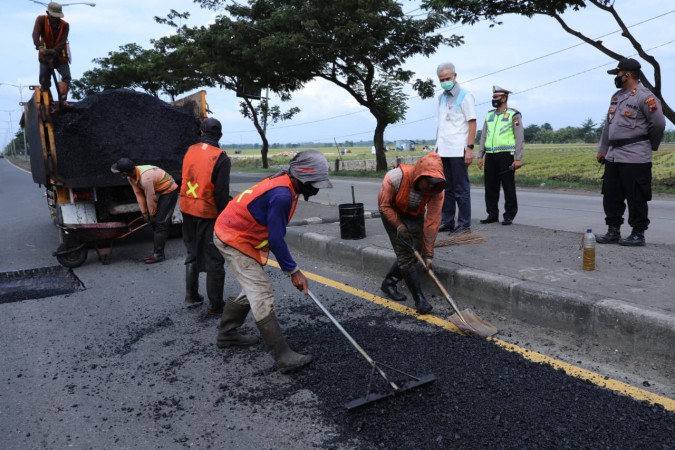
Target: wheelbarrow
79	238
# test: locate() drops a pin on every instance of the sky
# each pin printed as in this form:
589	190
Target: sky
555	78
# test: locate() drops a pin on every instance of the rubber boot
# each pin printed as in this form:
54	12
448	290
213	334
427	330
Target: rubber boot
636	239
612	237
215	283
158	254
233	317
389	284
63	87
287	360
412	279
192	297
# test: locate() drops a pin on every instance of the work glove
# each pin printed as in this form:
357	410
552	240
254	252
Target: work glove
47	51
403	233
427	262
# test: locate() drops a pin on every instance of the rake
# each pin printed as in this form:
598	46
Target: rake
371	397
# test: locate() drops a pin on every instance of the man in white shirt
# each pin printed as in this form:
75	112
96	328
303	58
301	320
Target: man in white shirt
455	138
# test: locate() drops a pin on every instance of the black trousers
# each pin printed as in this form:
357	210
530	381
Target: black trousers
198	240
404	254
497	175
627	182
166	203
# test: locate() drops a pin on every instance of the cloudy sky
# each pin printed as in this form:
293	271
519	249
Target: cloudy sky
555	77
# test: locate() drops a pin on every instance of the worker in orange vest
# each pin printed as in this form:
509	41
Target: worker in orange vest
253	224
50	37
204	193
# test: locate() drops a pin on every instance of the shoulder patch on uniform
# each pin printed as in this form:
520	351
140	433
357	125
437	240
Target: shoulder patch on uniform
650	99
615	99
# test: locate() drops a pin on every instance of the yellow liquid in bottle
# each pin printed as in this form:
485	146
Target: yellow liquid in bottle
589	258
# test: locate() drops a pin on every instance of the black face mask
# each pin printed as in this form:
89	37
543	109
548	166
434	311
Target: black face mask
496	103
618	82
307	190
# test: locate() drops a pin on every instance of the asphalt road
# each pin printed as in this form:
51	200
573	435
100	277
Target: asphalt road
121	364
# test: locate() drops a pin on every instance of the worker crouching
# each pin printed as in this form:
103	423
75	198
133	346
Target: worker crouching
410	203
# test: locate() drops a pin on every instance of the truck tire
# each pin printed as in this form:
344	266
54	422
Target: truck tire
71	258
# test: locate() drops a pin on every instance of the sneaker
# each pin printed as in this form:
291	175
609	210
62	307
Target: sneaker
446	227
507	222
460	230
636	239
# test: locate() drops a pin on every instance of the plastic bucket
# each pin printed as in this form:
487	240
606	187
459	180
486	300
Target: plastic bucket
352	222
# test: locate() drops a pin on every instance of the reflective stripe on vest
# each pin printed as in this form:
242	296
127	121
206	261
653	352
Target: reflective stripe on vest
499	135
196	190
237	227
162	185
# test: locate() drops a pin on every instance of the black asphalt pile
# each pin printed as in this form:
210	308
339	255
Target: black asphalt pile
484	396
117	123
37	283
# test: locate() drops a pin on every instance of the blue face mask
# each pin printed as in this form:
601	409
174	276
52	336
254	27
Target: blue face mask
448	85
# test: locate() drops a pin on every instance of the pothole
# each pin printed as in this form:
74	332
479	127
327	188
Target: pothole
30	284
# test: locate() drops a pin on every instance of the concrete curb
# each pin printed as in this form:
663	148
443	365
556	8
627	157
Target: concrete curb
608	322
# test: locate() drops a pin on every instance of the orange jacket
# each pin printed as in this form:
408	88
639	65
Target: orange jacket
398	196
149	182
196	191
43	35
236	226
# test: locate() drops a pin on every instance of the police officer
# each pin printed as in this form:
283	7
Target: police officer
633	129
501	145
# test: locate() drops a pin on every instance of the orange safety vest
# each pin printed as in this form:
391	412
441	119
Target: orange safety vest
402	199
196	190
49	41
237	227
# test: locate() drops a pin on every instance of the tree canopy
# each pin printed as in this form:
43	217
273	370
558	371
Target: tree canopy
471	11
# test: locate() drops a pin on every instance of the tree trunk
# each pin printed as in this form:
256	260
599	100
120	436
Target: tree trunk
378	140
263	151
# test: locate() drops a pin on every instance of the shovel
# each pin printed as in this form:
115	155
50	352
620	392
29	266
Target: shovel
377	367
467	321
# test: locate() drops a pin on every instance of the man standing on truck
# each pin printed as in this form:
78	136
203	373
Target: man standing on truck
249	228
157	194
50	37
204	193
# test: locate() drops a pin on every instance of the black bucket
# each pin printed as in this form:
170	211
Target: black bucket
352	222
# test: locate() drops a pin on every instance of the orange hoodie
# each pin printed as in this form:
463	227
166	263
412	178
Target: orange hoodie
399	197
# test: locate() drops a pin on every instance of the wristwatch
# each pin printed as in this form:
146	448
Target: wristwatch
470	146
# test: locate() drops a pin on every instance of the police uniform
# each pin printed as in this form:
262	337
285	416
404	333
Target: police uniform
501	142
634	128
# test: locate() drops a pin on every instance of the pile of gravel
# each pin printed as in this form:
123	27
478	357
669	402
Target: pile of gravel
117	123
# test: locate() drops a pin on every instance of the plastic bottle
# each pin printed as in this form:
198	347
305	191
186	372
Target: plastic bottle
589	250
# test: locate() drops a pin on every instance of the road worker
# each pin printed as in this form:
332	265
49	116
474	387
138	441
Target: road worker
253	224
156	193
50	37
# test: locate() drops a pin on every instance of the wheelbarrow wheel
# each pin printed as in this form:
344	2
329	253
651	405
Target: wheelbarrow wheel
71	258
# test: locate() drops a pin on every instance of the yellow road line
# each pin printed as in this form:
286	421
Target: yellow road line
569	369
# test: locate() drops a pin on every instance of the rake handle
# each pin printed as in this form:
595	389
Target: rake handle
370	360
440	286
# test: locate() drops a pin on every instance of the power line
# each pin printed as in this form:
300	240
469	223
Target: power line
480	77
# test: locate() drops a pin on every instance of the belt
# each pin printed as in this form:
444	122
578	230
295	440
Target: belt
622	142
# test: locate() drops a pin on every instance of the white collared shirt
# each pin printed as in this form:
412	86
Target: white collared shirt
452	134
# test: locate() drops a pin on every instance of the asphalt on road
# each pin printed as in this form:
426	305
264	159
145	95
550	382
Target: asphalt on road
139	368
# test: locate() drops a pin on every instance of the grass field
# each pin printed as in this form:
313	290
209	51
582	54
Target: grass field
570	166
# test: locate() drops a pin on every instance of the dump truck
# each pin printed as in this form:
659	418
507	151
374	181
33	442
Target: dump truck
71	150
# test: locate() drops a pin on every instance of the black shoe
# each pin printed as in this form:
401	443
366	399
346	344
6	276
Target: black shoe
446	227
636	239
612	236
489	219
507	222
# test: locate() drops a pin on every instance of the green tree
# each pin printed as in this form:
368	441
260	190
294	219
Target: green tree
472	11
530	133
589	131
356	45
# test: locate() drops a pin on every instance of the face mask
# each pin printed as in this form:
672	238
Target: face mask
496	103
448	85
618	82
307	190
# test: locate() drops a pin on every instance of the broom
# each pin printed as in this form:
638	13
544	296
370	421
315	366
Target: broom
466	237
